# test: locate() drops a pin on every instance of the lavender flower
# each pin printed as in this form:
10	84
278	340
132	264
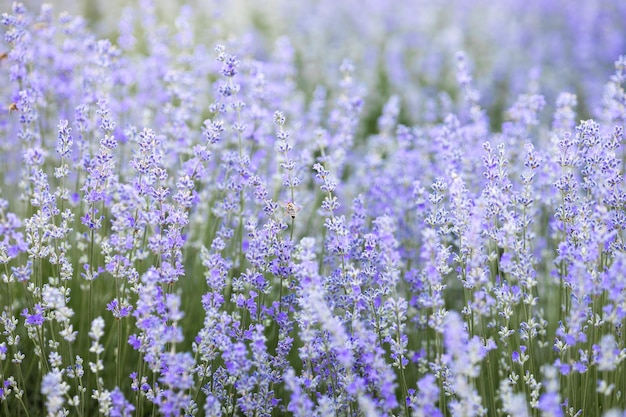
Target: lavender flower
416	231
54	389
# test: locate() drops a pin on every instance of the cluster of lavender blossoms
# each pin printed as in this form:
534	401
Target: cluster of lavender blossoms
196	222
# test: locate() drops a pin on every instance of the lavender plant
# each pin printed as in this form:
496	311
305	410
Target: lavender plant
194	223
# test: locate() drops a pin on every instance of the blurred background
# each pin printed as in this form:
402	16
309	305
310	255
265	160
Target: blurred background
408	47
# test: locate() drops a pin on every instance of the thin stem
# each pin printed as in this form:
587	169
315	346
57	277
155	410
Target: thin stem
118	371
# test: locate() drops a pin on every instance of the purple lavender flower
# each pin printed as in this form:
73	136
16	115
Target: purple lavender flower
606	355
120	407
167	179
426	397
54	389
35	319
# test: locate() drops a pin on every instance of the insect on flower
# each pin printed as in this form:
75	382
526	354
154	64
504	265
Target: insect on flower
40	25
291	209
13	107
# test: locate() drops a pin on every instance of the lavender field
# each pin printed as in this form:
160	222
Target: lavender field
313	208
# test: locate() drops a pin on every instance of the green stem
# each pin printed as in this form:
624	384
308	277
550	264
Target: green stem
118	371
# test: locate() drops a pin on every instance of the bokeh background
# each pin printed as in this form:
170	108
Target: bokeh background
408	47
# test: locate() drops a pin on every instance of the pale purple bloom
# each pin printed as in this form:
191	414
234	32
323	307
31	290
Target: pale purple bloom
120	406
426	398
606	355
54	389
